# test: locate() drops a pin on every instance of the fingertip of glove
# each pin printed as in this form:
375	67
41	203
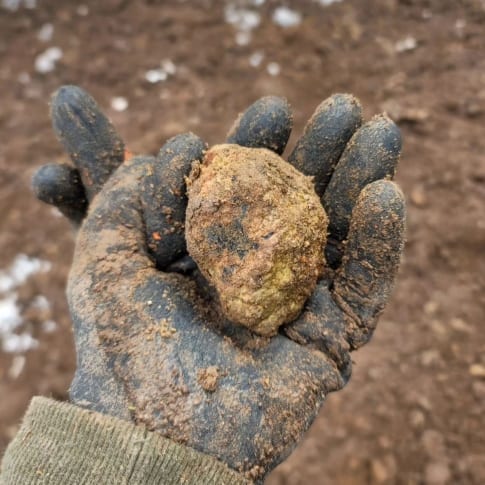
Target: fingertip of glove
266	123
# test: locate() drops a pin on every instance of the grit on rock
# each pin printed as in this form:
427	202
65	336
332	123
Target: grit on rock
414	410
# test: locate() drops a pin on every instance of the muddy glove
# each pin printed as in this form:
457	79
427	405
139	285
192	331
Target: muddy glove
151	346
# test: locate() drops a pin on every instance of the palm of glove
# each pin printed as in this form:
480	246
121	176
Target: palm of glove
152	347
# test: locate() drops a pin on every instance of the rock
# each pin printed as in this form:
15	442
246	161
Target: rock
257	230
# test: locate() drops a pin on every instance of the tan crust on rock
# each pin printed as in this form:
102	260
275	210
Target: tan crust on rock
257	230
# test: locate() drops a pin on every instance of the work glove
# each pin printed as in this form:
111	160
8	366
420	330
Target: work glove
152	345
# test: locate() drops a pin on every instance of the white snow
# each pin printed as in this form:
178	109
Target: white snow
45	33
407	44
286	17
326	3
20	270
40	302
10	320
119	103
10	317
49	326
256	59
14	5
273	68
243	37
242	18
18	364
46	61
11	278
167	68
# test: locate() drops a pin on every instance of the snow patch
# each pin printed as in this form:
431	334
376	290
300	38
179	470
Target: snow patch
10	313
119	103
20	270
167	68
326	3
14	5
286	17
273	68
47	60
45	33
256	59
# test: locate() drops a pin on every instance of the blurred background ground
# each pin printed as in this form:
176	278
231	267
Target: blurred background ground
414	412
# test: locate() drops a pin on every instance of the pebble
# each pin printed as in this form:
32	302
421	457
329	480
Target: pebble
418	197
417	419
460	325
431	307
477	370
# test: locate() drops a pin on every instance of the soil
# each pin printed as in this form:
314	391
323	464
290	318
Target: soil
414	410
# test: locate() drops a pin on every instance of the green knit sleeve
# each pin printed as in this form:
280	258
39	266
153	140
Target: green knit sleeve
62	444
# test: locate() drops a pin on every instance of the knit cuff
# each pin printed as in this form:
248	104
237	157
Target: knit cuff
59	443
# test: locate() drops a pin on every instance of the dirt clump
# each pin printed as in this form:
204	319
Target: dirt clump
208	378
257	230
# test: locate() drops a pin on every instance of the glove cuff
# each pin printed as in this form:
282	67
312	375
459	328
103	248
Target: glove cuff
59	443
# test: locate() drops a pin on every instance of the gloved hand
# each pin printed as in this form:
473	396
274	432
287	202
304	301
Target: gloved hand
151	344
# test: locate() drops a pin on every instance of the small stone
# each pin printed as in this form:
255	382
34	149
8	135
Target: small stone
379	471
418	197
460	325
417	419
477	370
437	473
431	307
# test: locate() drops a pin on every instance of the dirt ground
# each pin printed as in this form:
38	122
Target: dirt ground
414	411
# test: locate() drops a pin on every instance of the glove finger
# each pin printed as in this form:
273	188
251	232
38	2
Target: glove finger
372	154
266	123
325	136
322	326
87	135
60	185
363	282
164	199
